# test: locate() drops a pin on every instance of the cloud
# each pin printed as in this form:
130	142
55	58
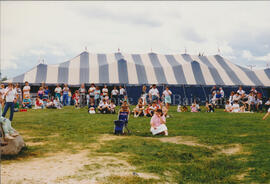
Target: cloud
58	31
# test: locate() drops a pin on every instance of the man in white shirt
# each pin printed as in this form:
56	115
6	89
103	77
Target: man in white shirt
11	97
26	89
154	93
240	91
114	95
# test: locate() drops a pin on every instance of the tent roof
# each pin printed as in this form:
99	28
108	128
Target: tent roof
150	68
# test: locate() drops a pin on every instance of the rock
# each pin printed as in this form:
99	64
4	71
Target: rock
13	147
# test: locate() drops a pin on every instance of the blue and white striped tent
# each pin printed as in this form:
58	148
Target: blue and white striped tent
151	68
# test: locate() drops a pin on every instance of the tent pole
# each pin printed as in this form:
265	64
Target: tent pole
204	92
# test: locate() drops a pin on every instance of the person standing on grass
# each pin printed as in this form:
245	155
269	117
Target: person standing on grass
11	97
26	89
154	93
97	95
58	91
114	95
157	123
82	92
91	91
167	97
65	95
105	90
122	93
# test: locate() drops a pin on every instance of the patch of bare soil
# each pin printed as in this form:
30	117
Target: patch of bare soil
67	168
189	141
233	149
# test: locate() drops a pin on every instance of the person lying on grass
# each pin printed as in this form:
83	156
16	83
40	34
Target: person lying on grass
9	131
267	114
157	123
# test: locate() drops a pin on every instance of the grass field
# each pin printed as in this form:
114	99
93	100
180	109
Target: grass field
201	147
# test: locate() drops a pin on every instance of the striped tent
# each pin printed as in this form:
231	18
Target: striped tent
151	68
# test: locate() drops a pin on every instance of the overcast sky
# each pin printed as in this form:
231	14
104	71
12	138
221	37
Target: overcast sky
58	31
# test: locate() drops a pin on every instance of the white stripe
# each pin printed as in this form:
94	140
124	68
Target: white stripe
240	74
74	71
131	68
224	76
180	59
187	69
93	68
168	71
208	78
150	73
52	74
113	68
263	77
31	75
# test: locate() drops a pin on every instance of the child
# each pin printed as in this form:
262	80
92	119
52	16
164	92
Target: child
123	114
228	106
76	98
27	102
236	107
112	107
138	110
40	92
193	108
39	103
209	107
92	107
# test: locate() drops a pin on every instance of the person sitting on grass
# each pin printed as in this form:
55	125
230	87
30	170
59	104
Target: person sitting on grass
50	104
103	106
146	111
27	103
138	110
228	107
267	114
112	107
236	107
157	123
57	103
209	107
92	107
193	108
39	103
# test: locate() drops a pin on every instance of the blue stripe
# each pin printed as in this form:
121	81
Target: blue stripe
177	69
159	72
252	76
84	68
217	78
41	75
187	57
197	72
122	69
63	72
267	72
141	73
228	70
19	78
103	68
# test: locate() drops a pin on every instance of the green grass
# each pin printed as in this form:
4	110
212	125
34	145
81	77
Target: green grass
72	130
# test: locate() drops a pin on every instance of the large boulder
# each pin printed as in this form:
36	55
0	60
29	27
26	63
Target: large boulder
13	147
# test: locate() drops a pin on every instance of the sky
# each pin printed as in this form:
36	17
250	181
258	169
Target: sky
58	31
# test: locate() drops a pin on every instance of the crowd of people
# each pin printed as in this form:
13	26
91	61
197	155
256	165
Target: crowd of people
100	100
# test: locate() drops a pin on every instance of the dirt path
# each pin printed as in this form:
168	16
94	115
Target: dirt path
69	168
